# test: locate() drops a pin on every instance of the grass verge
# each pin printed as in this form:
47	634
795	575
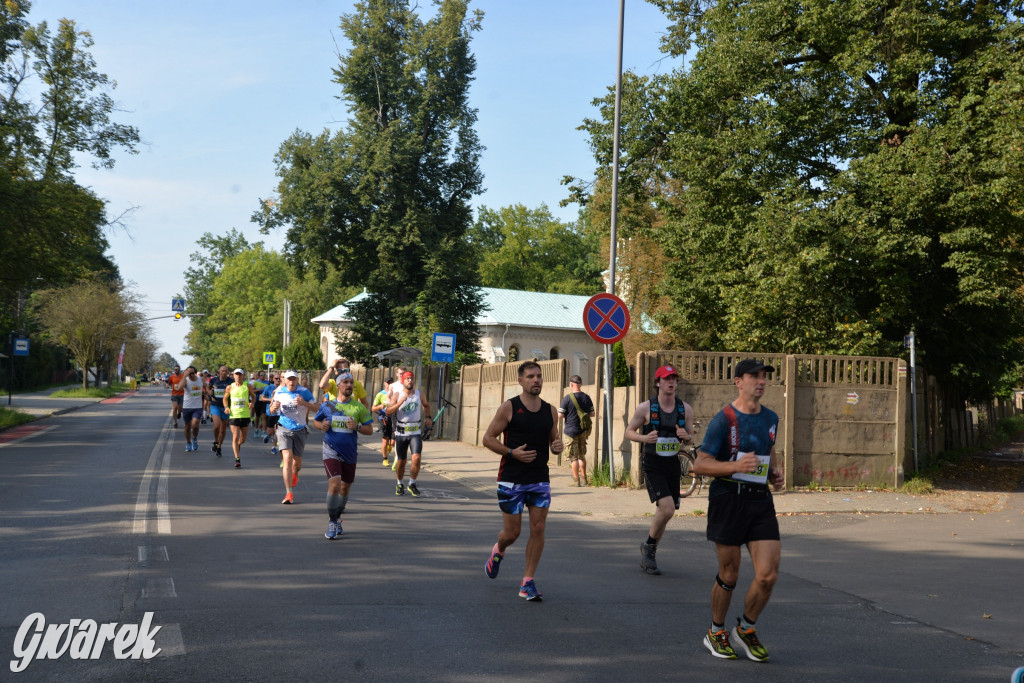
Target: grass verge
9	417
91	392
600	476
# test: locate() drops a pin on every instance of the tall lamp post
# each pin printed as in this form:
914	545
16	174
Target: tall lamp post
609	360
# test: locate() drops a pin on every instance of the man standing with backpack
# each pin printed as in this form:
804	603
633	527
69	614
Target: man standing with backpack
577	409
661	424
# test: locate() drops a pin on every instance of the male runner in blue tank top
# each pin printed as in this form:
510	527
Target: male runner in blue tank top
529	426
661	455
739	451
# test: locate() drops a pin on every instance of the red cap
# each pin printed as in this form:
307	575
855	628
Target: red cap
665	371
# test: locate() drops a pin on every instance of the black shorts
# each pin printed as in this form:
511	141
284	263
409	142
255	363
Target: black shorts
662	477
736	518
387	428
404	444
260	407
240	421
271	420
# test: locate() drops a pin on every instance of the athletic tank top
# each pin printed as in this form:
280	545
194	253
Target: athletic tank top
667	444
532	430
193	397
239	401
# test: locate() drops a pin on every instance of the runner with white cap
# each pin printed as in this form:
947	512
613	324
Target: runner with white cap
293	402
238	401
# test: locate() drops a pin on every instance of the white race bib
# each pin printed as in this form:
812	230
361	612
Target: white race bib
411	428
667	446
760	476
339	423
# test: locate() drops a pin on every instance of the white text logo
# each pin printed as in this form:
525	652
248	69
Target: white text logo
81	639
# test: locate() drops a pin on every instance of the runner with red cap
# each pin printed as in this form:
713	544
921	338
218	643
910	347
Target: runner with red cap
409	409
661	424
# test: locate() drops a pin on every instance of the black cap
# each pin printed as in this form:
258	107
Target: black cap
751	366
390	380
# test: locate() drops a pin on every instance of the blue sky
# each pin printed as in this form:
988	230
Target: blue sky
214	87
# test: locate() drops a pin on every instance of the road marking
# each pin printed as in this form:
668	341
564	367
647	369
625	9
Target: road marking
159	588
161	455
160	554
22	433
441	493
168	639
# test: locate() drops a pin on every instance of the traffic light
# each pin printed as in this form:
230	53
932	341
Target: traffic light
177	316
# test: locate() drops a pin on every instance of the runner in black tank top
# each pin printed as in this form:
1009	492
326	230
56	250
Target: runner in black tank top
531	430
523	438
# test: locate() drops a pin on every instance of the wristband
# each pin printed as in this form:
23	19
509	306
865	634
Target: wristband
509	454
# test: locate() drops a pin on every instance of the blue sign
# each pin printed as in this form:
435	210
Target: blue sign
605	318
178	305
21	347
443	350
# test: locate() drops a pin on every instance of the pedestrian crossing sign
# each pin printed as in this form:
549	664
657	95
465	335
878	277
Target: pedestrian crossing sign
177	305
269	357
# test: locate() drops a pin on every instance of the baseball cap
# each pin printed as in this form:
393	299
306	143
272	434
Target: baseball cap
289	373
204	371
751	366
390	380
576	379
665	371
238	371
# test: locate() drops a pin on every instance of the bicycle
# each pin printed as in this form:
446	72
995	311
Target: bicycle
445	403
688	481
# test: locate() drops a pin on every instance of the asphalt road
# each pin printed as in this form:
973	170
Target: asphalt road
104	516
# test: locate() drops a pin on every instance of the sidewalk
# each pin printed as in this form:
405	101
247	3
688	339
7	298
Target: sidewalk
477	468
39	403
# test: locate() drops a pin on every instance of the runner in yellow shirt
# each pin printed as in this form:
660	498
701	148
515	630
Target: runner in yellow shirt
330	387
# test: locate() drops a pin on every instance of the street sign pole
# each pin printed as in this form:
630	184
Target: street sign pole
606	320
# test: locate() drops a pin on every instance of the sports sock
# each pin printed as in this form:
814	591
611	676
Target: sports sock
334	505
715	628
652	541
411	481
344	502
746	624
497	552
525	579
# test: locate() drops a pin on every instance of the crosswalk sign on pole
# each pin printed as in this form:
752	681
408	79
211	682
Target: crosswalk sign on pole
177	305
269	357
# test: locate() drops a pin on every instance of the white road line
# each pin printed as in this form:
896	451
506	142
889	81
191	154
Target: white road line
168	639
27	436
159	588
163	511
140	524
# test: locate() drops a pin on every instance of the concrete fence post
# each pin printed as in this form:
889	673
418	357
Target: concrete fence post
789	417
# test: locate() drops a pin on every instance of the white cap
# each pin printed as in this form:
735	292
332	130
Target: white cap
290	373
238	371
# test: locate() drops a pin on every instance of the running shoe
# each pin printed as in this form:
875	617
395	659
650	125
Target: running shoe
718	644
203	421
332	530
529	591
213	447
385	463
238	463
394	465
266	438
295	480
273	451
749	643
414	490
219	451
288	500
188	446
195	444
647	561
493	564
399	489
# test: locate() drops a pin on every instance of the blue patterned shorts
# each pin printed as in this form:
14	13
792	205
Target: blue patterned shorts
512	498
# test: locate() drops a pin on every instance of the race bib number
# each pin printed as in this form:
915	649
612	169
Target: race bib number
412	428
759	476
195	393
339	423
667	446
238	402
218	392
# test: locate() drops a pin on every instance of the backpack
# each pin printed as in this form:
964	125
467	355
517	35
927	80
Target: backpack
585	421
655	422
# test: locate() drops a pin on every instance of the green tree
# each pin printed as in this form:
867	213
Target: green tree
831	175
205	265
528	249
91	319
621	371
246	312
386	199
55	111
